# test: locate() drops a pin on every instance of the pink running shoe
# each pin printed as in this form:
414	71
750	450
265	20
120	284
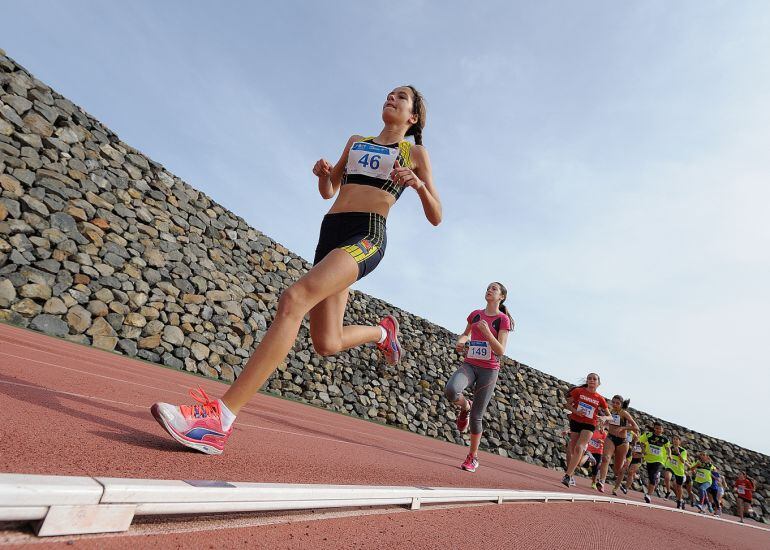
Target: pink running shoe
470	464
463	419
196	426
390	348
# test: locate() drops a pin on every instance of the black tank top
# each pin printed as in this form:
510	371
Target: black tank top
370	164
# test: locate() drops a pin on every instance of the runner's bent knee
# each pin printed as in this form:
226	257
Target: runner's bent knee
326	346
294	302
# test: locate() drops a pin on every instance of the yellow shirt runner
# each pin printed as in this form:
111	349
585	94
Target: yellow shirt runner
677	463
655	447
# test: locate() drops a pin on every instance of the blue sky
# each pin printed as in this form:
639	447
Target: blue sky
606	161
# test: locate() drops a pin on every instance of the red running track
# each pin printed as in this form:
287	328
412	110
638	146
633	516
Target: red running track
74	410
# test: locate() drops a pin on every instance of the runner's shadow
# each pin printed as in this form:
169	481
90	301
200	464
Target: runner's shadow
121	432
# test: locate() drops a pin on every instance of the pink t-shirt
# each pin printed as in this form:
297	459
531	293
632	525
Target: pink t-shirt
480	353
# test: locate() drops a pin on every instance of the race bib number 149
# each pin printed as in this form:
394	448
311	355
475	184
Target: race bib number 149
479	349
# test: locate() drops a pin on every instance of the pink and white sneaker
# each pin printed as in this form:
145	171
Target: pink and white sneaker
470	464
196	426
463	419
390	348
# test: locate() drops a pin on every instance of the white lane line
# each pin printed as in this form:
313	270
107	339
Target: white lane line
136	365
46	363
70	394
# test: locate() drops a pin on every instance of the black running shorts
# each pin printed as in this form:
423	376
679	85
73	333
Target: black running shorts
577	427
360	234
653	471
617	440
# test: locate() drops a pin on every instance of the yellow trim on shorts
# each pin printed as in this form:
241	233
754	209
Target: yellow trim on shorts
359	255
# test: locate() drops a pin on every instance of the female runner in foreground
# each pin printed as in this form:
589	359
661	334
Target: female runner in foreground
616	445
584	404
368	178
486	335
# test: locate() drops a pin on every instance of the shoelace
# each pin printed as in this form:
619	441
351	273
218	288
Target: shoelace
207	405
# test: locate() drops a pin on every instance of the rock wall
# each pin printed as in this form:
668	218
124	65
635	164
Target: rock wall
102	246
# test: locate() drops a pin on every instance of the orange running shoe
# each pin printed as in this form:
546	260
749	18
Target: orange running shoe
196	426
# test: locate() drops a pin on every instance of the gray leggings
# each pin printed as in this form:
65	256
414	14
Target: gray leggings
483	381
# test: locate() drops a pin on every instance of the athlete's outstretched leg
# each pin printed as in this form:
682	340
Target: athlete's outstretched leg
620	458
335	273
609	452
578	449
207	425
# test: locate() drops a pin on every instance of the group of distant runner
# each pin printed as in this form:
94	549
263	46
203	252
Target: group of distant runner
600	434
367	180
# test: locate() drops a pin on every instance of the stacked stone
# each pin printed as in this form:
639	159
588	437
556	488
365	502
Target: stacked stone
102	246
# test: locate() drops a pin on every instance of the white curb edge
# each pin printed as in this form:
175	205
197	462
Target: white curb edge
68	505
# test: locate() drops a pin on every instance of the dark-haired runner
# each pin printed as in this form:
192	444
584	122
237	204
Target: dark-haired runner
587	407
632	466
676	466
656	447
483	343
616	446
595	452
716	492
744	488
703	469
369	177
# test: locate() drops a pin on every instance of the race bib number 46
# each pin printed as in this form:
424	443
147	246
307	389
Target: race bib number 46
586	409
479	349
370	159
654	450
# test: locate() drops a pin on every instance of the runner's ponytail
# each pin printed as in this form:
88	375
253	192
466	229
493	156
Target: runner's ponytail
418	108
502	307
623	402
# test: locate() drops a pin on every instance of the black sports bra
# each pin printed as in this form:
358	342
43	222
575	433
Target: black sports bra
370	164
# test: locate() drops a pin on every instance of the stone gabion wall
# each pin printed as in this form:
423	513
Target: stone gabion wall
102	246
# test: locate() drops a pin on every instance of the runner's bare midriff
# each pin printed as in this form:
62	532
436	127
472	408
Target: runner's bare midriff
362	198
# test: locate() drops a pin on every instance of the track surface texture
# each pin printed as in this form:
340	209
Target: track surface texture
74	410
